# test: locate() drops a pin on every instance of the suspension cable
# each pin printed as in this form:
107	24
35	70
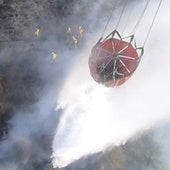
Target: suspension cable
108	21
120	17
128	18
140	18
111	14
150	28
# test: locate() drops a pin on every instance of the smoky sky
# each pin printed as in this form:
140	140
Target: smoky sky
33	80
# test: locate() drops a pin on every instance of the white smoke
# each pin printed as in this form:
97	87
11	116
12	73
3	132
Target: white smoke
96	117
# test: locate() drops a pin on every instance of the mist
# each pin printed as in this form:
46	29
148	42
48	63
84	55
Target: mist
32	78
95	117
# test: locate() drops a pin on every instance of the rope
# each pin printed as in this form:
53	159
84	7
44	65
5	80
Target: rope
123	10
147	36
129	15
120	17
108	21
141	16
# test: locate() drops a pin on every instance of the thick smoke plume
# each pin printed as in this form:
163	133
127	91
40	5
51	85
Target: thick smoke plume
32	78
88	117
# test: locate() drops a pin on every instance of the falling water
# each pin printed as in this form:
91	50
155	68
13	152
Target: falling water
95	117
